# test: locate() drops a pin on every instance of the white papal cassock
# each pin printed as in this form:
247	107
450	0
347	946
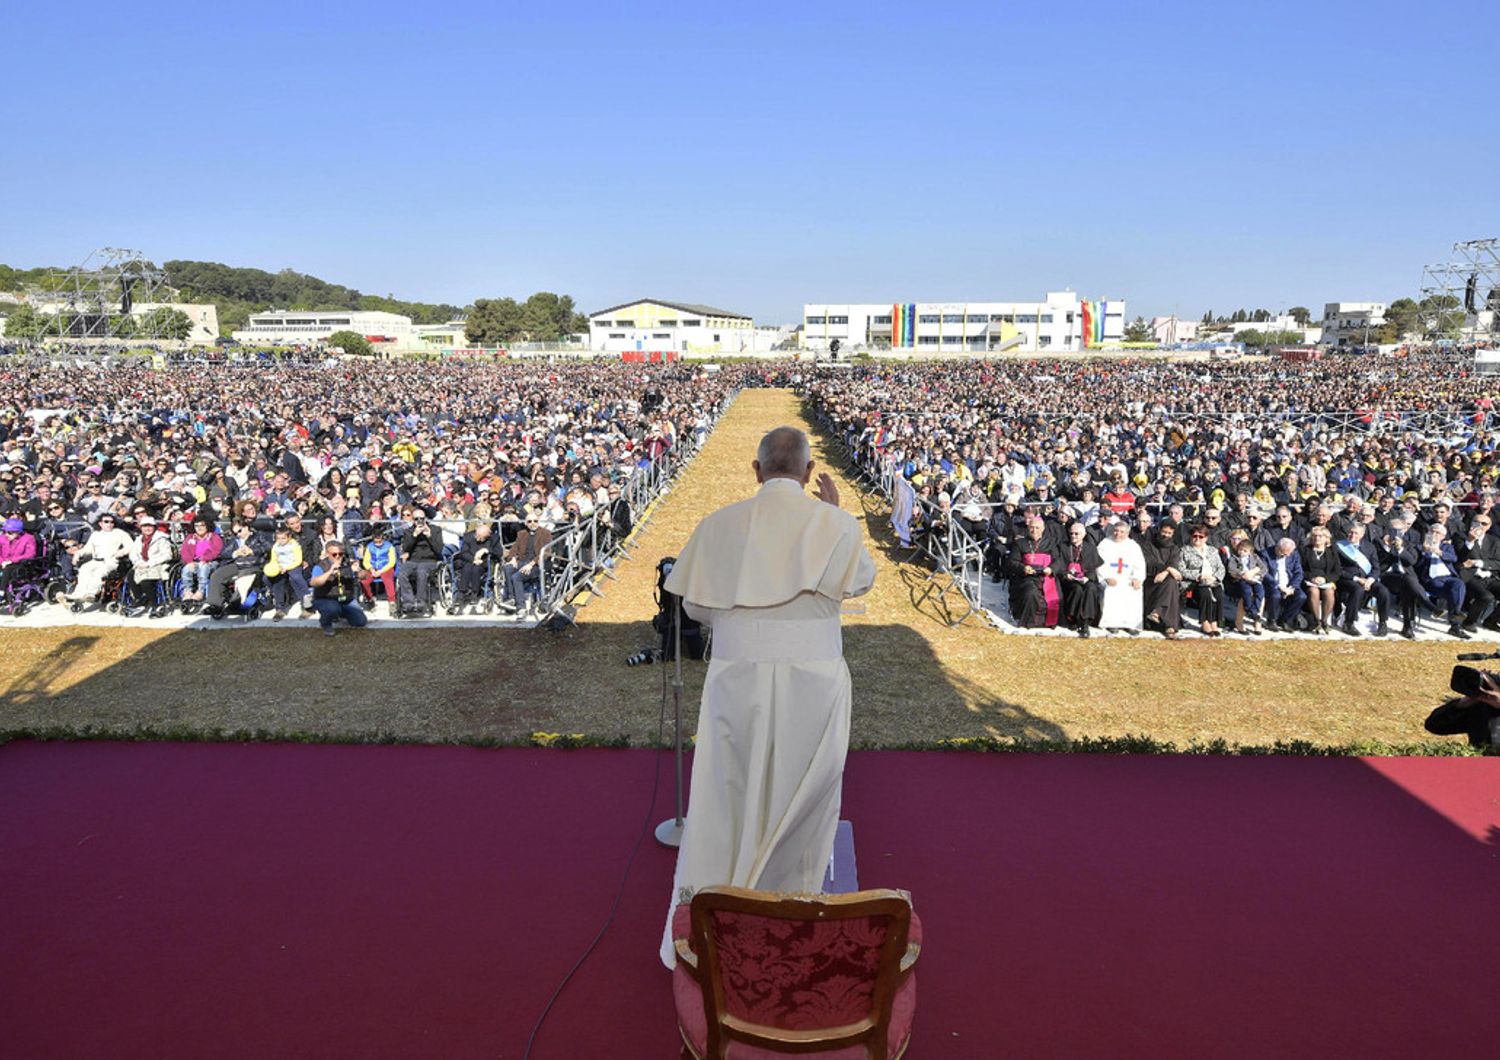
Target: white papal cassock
768	575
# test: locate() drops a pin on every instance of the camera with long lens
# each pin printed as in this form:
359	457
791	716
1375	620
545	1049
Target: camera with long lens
1468	681
1473	712
644	657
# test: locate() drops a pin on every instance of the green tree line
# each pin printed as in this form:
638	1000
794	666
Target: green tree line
1300	313
1434	317
24	322
544	317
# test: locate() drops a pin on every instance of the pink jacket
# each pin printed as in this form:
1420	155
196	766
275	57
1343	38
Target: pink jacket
14	550
201	550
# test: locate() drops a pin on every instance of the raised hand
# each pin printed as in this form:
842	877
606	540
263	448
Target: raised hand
827	492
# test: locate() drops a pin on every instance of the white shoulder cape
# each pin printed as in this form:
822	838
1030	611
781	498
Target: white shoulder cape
766	550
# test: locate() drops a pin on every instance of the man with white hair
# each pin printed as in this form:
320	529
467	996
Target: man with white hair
1122	573
769	576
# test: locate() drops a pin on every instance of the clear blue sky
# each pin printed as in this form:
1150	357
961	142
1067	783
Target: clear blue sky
1182	155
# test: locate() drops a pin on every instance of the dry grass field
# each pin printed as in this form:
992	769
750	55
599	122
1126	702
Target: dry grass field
915	679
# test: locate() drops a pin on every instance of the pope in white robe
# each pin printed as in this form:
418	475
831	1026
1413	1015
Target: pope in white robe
1123	574
768	576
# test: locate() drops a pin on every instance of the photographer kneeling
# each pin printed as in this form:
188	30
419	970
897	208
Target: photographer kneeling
334	587
1474	713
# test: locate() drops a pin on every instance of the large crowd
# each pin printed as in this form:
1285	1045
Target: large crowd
308	489
1257	495
1102	494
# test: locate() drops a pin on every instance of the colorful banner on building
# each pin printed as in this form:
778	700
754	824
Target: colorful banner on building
904	325
1093	322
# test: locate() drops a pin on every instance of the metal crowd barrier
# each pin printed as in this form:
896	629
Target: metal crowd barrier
580	557
947	546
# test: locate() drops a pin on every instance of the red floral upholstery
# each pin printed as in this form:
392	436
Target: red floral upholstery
682	925
794	975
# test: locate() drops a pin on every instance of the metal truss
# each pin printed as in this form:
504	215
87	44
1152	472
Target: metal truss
94	300
1469	283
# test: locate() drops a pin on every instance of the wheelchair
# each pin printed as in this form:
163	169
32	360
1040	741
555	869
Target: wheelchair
166	599
28	586
447	587
249	607
111	593
179	589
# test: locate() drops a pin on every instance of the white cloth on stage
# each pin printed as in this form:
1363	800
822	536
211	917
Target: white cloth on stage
768	576
1123	606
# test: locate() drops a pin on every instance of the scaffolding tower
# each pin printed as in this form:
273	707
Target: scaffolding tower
1469	283
94	300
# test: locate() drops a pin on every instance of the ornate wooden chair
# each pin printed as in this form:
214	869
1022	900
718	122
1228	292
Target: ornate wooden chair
763	975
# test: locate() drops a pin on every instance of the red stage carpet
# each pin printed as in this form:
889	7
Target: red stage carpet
286	901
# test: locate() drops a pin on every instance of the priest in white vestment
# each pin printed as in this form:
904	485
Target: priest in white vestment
1123	574
768	576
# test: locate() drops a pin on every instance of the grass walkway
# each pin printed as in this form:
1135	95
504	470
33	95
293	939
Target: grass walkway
915	679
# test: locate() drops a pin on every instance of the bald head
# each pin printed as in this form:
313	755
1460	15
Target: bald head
784	453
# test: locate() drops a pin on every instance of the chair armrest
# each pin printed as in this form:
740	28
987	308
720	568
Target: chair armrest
686	957
908	960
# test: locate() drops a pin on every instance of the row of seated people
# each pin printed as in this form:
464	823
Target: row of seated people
1125	575
146	572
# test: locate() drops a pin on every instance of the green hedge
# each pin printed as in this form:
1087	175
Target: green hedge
1131	744
1096	745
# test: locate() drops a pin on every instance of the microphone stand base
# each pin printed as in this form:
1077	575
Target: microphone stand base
669	832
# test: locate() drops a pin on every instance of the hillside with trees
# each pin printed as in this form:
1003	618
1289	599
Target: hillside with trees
239	292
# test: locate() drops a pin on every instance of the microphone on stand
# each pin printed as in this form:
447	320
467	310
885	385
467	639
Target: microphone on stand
669	832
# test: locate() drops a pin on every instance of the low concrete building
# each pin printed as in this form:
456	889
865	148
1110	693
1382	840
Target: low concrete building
286	327
1168	331
655	325
204	317
1351	323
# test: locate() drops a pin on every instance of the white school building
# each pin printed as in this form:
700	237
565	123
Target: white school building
282	327
1061	322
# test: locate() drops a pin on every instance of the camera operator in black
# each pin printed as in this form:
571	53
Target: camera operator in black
671	622
1476	716
421	552
335	587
